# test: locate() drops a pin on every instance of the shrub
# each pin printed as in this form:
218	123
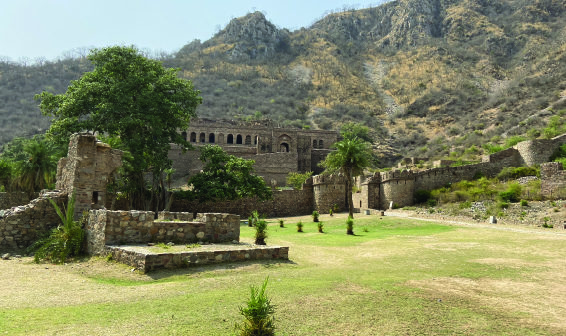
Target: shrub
350	226
512	141
300	226
315	216
431	202
260	232
511	173
422	196
320	226
64	241
512	194
258	314
524	203
281	223
296	180
331	213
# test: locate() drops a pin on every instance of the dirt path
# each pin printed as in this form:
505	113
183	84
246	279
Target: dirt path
535	230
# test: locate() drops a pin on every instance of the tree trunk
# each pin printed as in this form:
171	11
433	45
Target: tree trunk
348	173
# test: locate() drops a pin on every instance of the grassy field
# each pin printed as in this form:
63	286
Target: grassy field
395	277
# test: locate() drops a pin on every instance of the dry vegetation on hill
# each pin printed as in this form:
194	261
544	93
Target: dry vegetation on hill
430	77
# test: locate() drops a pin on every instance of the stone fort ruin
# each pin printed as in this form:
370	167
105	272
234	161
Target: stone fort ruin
276	151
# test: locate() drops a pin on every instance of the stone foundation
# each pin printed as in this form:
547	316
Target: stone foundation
145	261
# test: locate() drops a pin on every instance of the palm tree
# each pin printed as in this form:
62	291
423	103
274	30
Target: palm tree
39	170
351	157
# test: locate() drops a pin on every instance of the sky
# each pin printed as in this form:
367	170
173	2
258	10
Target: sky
51	29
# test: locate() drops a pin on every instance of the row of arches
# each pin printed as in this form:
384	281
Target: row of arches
230	138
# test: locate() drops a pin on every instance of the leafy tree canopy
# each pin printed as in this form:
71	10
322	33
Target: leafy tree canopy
296	180
226	177
129	96
352	130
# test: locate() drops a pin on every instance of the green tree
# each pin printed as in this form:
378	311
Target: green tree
6	173
350	158
296	180
352	130
226	177
133	98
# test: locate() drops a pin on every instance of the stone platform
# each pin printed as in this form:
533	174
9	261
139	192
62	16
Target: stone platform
149	258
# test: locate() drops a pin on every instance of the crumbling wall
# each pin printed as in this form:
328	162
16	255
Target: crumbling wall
23	225
86	171
14	199
138	227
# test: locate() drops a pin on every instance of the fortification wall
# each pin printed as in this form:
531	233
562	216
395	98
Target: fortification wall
275	166
284	203
553	180
14	199
23	225
138	227
329	190
536	152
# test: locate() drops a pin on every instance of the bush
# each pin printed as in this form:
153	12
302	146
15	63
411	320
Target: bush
512	173
281	223
260	232
350	226
512	194
64	241
300	226
422	196
258	314
296	180
524	203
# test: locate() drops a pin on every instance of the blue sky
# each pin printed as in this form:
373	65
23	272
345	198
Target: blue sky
53	28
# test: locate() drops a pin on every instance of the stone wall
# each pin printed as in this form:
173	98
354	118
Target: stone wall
284	203
553	180
14	199
23	225
134	227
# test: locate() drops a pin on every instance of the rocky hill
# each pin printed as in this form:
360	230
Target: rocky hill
430	77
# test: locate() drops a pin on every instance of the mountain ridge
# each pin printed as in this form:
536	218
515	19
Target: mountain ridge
421	74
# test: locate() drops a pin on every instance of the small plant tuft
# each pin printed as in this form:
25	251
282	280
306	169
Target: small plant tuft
258	314
260	232
281	223
315	216
331	212
300	226
320	226
350	226
524	203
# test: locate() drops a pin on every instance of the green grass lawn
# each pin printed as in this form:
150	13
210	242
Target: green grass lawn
394	277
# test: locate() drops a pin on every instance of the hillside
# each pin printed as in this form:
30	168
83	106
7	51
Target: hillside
430	77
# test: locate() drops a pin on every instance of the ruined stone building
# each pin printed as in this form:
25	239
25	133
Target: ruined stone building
275	150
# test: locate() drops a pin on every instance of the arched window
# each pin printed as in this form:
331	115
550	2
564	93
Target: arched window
230	139
184	135
238	139
284	147
202	137
320	144
314	144
193	137
248	140
211	138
